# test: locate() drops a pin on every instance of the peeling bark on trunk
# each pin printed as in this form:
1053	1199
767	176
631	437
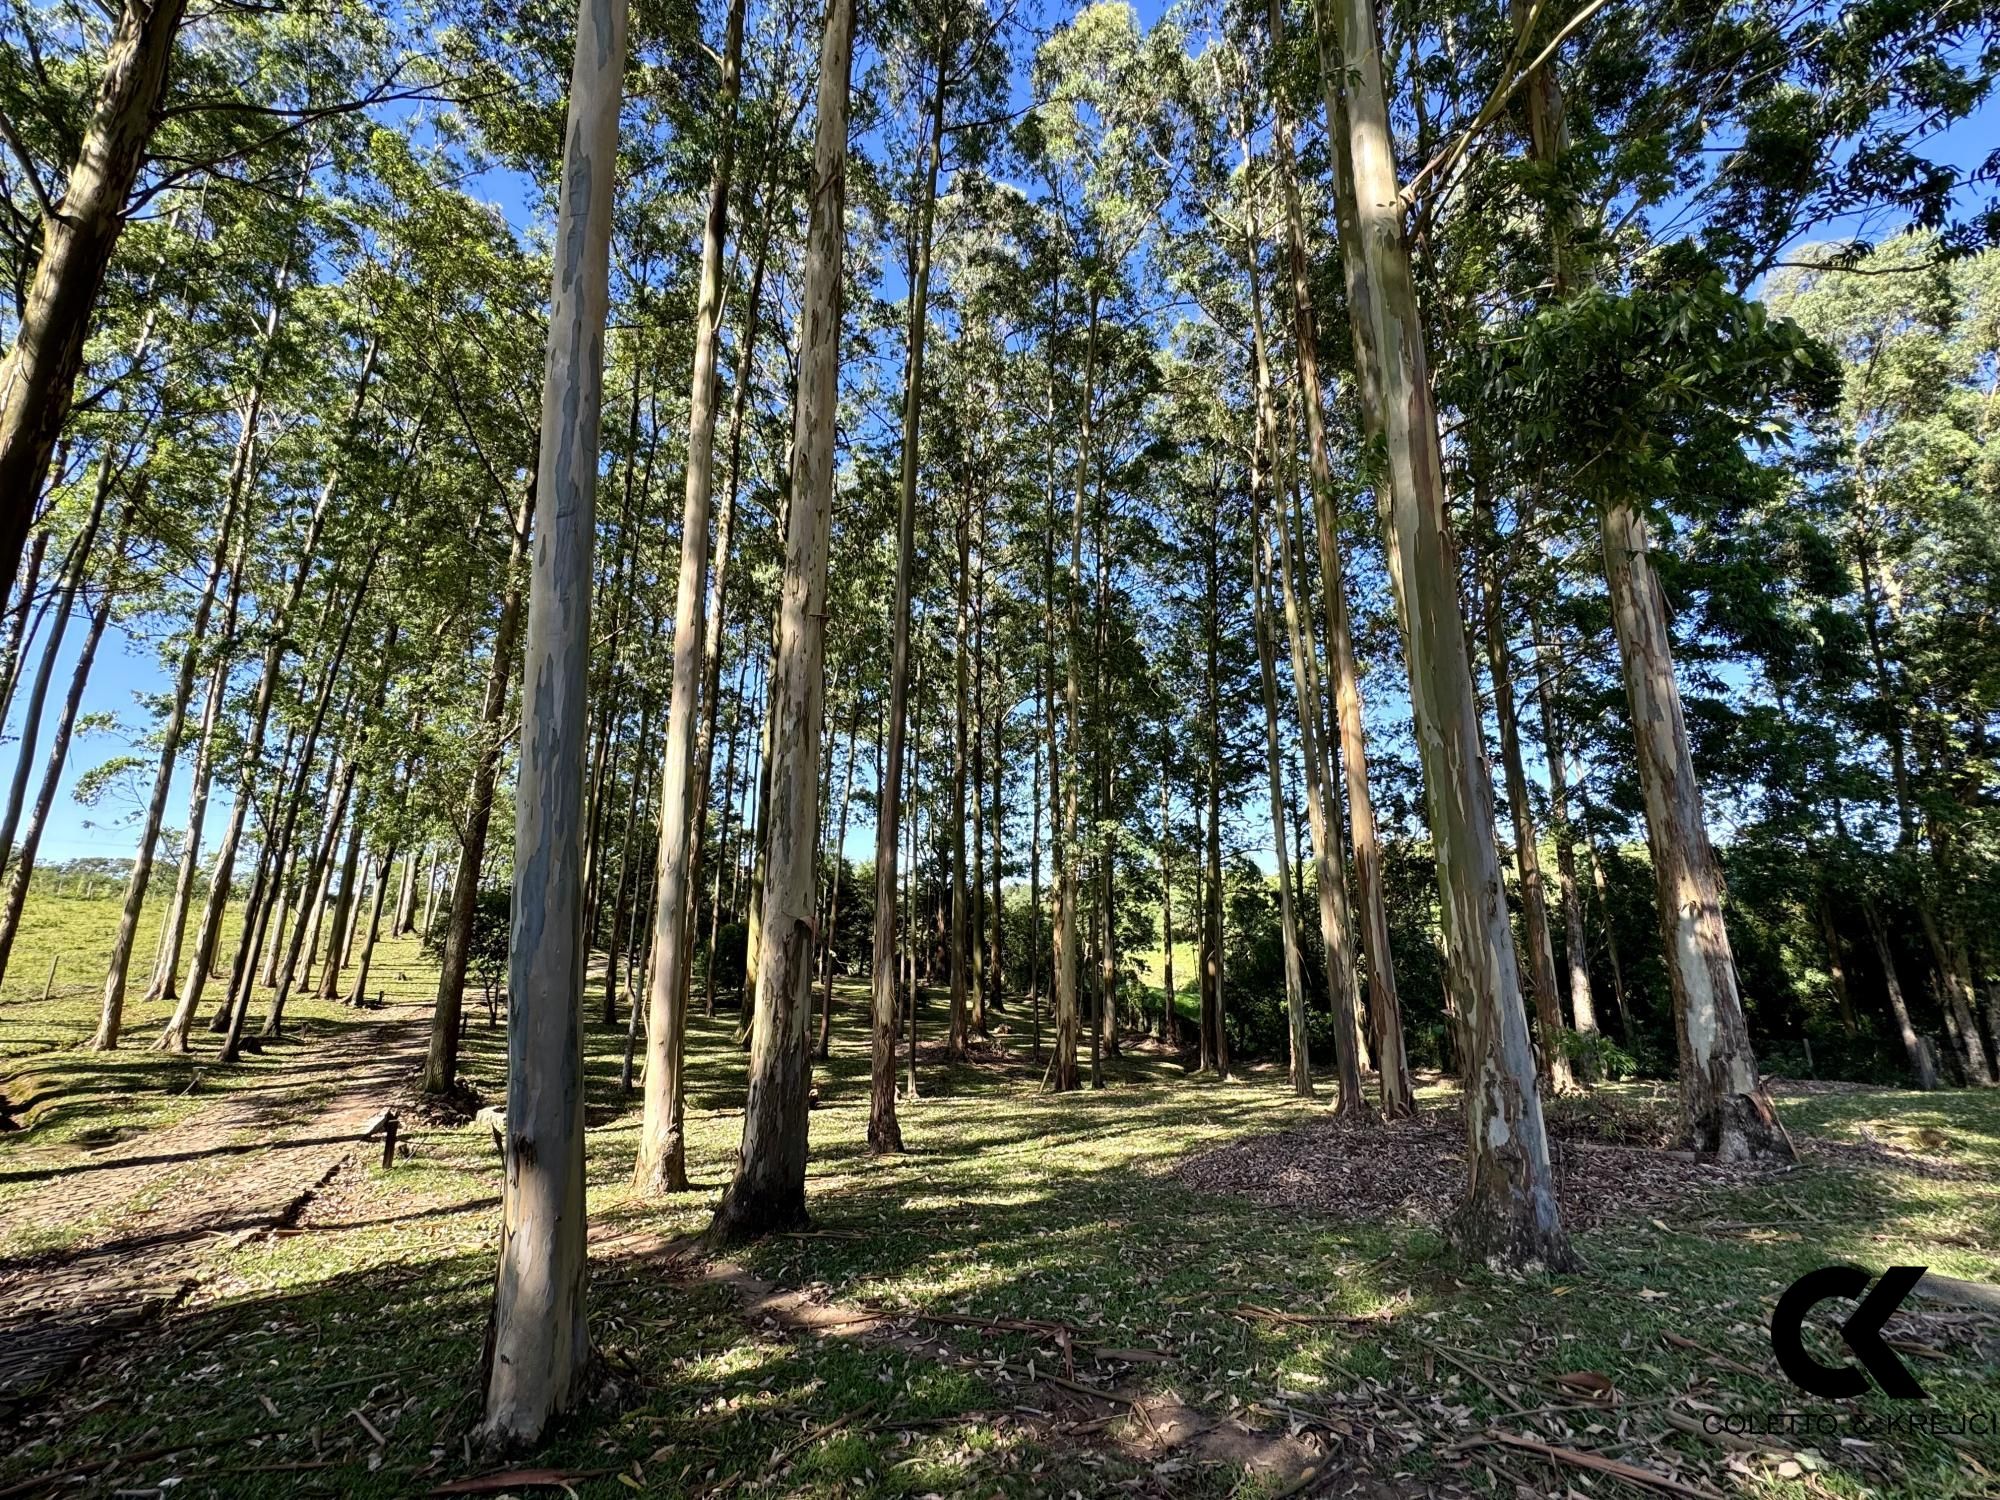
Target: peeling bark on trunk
538	1342
1724	1107
1509	1214
1384	1009
768	1190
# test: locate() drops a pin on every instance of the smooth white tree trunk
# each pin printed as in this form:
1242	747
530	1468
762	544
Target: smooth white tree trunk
538	1344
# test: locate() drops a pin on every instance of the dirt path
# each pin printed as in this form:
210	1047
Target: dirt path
140	1224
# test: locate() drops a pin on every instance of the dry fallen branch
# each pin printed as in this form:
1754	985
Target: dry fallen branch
1251	1311
1617	1468
507	1479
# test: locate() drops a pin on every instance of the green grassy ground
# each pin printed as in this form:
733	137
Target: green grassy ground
1009	1204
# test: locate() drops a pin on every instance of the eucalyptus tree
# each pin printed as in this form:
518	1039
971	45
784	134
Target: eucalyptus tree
538	1348
1510	1207
662	1165
767	1191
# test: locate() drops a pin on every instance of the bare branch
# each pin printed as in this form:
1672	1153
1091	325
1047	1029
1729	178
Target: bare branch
27	166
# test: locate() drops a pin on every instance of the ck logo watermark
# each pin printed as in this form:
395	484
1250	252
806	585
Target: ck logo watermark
1862	1332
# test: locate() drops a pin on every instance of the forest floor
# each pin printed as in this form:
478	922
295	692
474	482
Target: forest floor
1173	1287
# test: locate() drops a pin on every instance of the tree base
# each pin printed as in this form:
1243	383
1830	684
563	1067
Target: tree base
655	1175
1743	1130
749	1214
1506	1236
511	1432
885	1136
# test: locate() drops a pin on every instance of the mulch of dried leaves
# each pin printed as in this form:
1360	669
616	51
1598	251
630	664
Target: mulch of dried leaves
1612	1166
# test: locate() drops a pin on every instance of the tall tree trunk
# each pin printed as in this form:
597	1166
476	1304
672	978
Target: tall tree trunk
174	1037
768	1190
1955	994
1295	984
627	889
661	1166
1069	851
1035	883
1836	966
314	928
263	896
1170	1023
76	565
111	1018
1509	1212
996	957
167	962
1603	892
343	906
1723	1103
359	993
1555	1070
323	856
430	889
1214	1023
723	838
1583	1012
17	623
976	796
1329	859
406	894
21	868
961	710
885	1132
833	893
1922	1067
753	913
38	380
716	623
538	1342
1384	1006
1104	1035
440	1071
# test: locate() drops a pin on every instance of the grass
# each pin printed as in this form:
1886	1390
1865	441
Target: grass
1009	1203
